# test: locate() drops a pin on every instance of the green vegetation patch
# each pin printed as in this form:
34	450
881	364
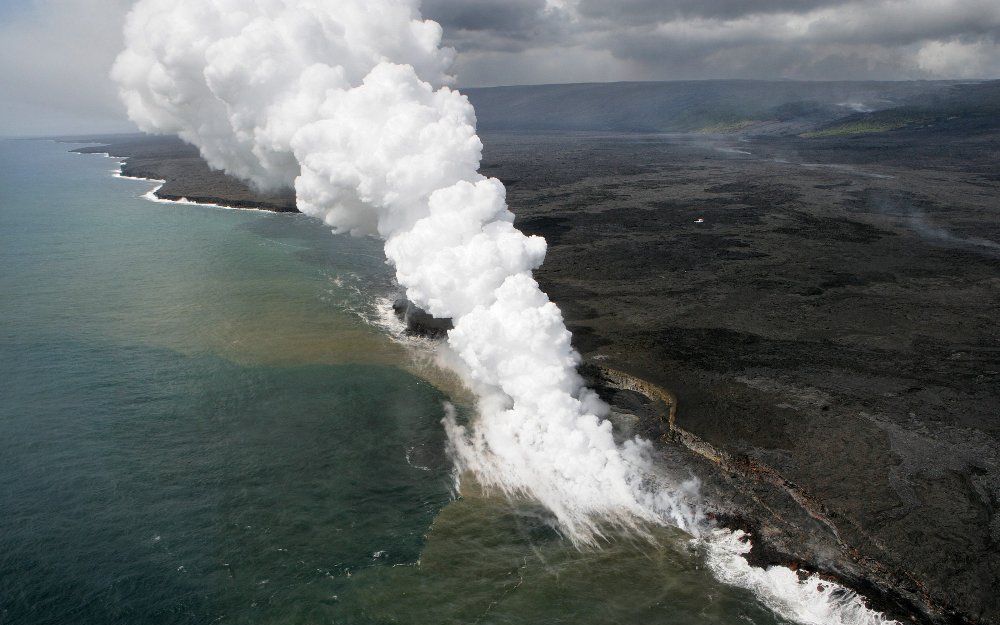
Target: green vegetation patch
867	126
881	121
725	127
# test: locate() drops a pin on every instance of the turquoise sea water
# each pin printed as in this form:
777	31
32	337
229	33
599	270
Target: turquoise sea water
199	423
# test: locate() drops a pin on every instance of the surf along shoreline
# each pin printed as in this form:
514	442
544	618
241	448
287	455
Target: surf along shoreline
181	173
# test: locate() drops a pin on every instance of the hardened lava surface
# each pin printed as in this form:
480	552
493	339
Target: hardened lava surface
824	310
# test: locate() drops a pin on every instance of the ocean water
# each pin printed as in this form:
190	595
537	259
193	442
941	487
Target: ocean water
204	418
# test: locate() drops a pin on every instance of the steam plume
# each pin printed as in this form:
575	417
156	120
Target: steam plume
346	100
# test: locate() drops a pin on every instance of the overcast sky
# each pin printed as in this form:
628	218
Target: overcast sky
55	54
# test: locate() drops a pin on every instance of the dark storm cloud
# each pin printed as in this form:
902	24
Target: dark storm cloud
514	18
490	25
643	11
535	40
871	39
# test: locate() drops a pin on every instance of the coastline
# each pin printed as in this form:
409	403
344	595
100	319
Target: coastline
742	409
182	177
736	549
154	194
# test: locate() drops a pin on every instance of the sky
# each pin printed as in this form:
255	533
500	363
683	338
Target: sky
55	54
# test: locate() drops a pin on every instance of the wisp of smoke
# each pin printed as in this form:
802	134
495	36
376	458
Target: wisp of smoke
347	101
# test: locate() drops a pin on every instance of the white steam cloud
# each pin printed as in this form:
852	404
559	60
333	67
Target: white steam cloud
344	100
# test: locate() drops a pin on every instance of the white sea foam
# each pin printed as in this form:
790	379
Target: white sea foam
152	196
811	601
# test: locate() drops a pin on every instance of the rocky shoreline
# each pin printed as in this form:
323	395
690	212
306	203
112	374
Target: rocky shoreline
186	176
785	526
823	313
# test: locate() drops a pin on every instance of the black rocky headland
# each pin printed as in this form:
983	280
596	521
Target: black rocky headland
185	174
418	322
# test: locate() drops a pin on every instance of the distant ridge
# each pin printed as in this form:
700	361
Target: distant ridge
688	106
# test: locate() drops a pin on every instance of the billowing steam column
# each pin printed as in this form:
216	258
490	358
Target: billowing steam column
344	100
